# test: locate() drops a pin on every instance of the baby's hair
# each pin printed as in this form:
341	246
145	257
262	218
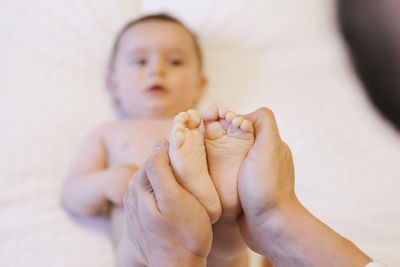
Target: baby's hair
158	16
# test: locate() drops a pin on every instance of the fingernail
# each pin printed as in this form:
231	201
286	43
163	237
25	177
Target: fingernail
160	144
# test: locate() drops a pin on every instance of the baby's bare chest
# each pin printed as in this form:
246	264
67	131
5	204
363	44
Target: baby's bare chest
130	145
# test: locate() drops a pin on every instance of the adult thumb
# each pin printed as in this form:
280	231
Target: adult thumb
160	173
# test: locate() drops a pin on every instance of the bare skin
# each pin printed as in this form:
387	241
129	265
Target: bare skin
274	222
158	207
154	77
105	164
228	138
108	158
188	158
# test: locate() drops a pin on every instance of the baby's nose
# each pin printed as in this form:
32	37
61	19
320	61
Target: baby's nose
157	68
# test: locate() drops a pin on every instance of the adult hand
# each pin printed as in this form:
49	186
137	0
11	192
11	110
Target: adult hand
274	223
266	178
165	222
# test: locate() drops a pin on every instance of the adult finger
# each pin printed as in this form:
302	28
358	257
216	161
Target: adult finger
140	194
138	181
160	174
137	202
265	127
146	213
130	197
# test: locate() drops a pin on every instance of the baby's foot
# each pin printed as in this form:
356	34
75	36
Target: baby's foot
189	162
228	138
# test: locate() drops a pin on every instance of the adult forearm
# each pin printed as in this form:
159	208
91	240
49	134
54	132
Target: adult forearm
294	237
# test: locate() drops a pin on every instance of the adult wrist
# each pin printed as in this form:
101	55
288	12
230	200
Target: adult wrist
279	222
293	236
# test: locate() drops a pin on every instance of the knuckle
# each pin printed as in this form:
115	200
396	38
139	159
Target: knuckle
284	146
266	112
286	150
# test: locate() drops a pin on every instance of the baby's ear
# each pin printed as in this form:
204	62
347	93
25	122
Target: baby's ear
203	82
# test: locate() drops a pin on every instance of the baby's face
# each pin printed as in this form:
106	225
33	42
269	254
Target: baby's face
156	71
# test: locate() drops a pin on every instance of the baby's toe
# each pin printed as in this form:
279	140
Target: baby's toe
230	116
247	126
194	119
222	113
237	121
210	112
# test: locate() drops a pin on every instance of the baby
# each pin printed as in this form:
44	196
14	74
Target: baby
155	73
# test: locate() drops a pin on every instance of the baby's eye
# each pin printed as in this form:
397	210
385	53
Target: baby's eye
139	62
175	62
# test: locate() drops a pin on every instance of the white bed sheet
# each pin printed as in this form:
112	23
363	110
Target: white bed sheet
286	55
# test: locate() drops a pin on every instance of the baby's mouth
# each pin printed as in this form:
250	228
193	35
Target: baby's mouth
157	89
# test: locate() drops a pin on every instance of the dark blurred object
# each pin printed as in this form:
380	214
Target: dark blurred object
371	29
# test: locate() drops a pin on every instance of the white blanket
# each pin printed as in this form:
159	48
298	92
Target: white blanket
286	55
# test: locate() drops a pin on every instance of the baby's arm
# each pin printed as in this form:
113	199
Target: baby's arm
90	184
